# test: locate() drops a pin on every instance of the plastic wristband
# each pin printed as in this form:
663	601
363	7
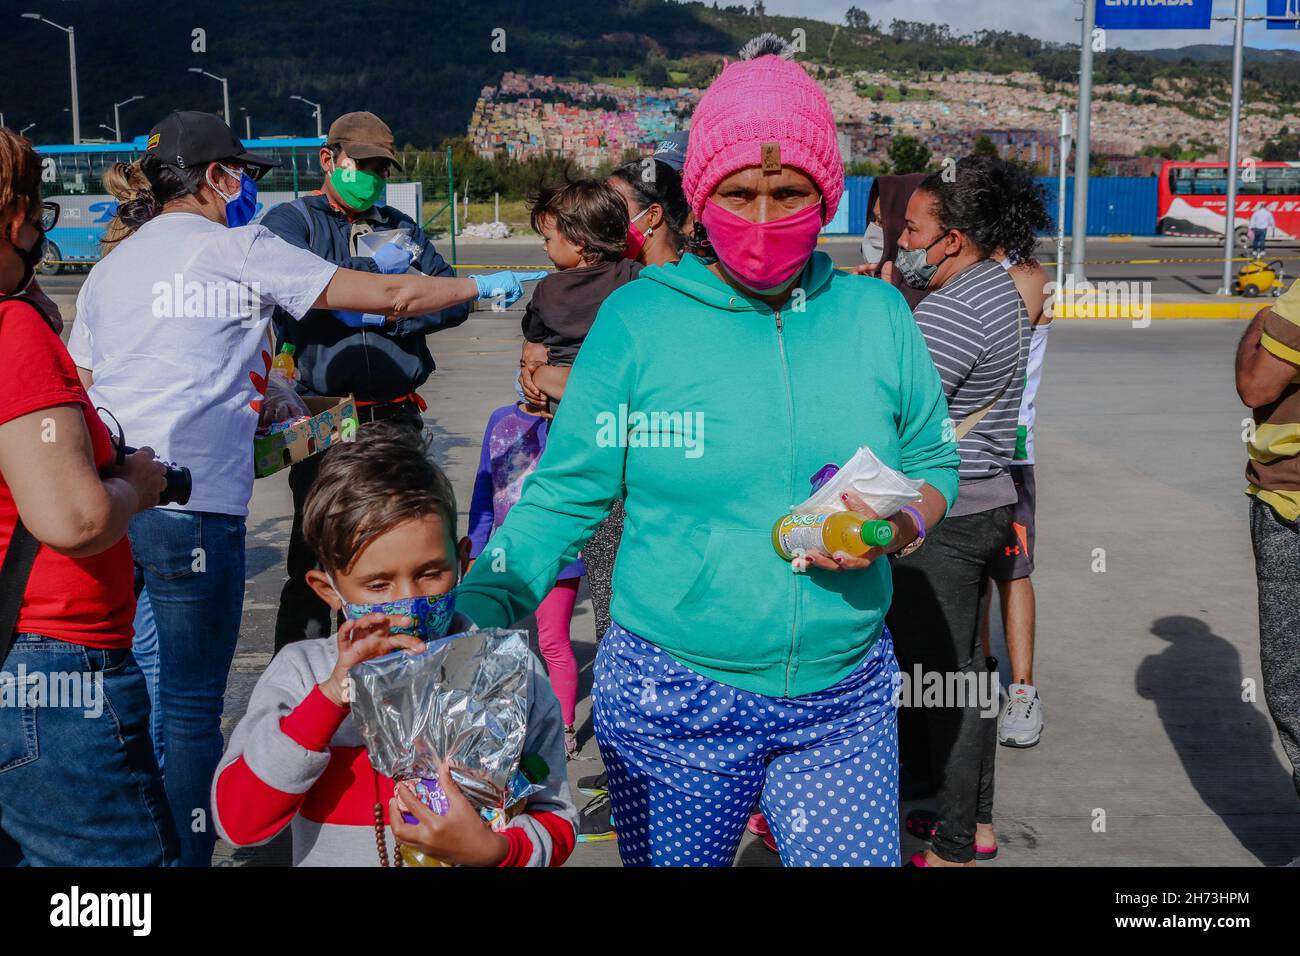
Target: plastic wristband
920	531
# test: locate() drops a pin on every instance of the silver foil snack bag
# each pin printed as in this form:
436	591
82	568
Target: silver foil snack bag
464	699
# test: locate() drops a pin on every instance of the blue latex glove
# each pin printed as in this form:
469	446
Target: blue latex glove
392	260
506	284
357	320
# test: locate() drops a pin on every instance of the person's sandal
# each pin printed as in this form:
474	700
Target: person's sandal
921	824
570	742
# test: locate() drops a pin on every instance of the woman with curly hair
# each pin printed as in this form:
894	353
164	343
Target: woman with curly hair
975	324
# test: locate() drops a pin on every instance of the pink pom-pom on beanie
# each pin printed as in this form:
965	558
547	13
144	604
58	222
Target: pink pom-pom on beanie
763	100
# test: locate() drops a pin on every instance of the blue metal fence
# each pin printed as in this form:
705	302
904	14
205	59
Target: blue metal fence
1117	205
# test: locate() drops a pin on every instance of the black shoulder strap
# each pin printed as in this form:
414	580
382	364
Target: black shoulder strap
19	557
14	574
39	311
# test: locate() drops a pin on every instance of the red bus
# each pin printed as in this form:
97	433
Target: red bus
1193	197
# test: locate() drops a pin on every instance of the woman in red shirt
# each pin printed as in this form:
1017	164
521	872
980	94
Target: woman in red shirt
79	785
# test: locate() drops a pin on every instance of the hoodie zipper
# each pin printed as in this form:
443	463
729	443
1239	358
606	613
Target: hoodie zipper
789	404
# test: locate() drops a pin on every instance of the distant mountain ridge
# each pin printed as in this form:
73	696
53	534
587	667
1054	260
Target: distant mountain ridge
420	64
1210	53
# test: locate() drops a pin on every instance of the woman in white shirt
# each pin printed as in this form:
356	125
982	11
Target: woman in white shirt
171	339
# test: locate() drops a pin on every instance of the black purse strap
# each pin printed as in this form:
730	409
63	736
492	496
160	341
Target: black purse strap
14	574
20	556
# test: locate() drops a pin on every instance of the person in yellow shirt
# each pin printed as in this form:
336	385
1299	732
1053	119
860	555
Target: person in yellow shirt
1268	380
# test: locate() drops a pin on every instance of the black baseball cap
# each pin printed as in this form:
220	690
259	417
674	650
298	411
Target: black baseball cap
188	138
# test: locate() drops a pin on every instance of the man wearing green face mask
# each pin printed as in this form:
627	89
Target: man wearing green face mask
342	353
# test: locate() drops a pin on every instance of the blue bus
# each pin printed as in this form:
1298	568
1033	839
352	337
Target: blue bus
72	177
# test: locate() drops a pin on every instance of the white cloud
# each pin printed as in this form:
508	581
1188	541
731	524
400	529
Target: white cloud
1046	19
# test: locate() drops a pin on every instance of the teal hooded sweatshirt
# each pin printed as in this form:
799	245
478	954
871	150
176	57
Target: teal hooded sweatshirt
713	412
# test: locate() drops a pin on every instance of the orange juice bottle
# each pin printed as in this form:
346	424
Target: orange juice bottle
284	363
846	531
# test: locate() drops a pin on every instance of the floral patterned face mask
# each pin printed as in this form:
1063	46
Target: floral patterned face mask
431	616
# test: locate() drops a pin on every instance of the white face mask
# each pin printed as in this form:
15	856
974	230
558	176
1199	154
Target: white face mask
873	243
233	174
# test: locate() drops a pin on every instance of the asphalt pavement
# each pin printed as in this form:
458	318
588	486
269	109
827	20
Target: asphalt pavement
1158	749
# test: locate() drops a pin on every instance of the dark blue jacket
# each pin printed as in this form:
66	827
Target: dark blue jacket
374	364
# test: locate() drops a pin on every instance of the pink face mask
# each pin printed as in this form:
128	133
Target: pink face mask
635	237
763	255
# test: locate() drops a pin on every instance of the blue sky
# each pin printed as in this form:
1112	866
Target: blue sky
1046	19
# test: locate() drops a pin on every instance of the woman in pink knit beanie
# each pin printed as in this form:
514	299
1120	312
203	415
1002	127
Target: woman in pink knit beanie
719	386
763	171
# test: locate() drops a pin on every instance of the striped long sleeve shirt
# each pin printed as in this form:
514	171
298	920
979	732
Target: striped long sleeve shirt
975	327
297	760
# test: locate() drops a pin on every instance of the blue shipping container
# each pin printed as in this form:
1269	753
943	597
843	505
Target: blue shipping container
1117	205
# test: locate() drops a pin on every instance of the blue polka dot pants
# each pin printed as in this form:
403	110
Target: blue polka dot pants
687	756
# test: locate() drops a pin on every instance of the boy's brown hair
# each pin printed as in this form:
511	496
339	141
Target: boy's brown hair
367	487
20	176
589	213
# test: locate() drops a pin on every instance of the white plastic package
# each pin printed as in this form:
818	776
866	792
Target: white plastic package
883	488
371	242
281	403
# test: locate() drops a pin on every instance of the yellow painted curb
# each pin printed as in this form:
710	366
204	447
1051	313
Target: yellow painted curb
1245	310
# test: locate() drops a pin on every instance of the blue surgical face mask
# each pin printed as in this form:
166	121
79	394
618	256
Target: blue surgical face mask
242	207
431	616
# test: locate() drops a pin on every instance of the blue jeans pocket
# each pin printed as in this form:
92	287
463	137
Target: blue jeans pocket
107	661
18	742
166	543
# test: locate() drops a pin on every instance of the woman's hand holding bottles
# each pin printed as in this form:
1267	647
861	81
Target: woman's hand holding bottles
905	531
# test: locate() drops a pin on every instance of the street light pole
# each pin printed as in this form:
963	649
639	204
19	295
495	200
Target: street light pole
314	106
225	91
1230	210
72	69
117	116
1062	168
1082	158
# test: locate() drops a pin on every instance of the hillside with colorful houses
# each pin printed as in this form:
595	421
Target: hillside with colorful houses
591	123
596	123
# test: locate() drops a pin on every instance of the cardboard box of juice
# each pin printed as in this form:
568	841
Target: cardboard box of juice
332	420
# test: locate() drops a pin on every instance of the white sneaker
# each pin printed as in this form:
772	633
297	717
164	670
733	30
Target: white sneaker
1022	718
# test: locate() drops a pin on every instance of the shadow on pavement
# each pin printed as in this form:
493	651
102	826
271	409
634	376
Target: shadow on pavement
1225	744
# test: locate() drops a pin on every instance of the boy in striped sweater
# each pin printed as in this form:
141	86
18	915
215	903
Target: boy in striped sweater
382	518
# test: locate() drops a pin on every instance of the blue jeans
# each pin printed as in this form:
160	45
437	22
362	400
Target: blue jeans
687	756
78	781
191	565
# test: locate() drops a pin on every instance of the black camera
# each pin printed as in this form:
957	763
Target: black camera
179	482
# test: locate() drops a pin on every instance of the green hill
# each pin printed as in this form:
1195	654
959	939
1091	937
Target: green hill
421	63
